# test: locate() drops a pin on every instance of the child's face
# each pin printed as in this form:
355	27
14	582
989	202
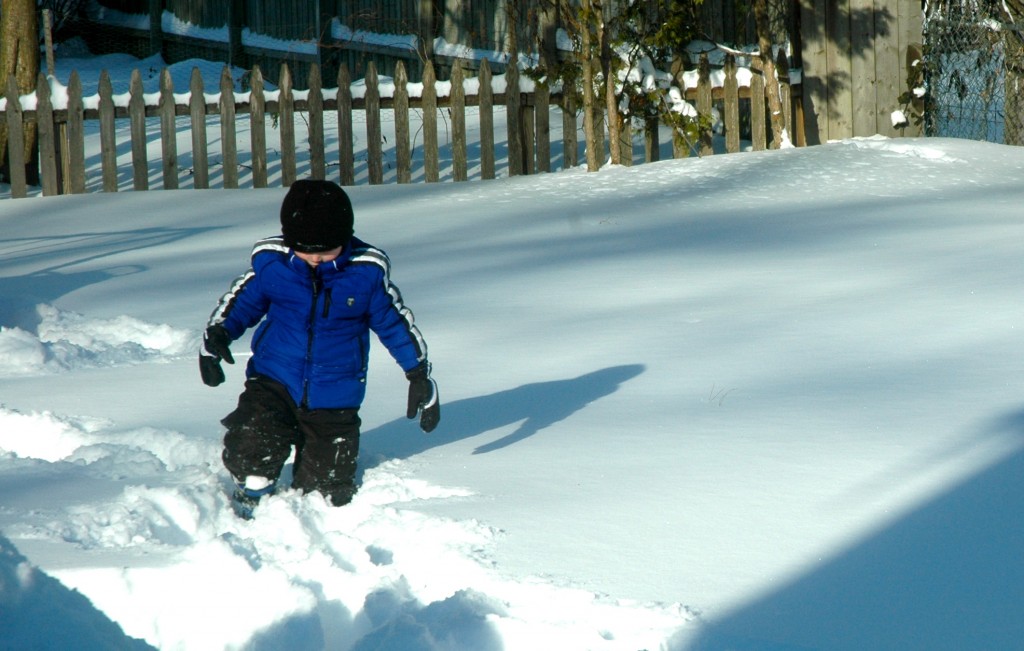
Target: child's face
313	259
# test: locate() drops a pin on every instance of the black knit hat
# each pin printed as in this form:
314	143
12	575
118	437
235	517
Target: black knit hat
316	216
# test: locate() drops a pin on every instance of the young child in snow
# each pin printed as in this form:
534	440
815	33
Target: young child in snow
316	291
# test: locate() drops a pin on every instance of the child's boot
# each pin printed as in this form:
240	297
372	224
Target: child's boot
247	495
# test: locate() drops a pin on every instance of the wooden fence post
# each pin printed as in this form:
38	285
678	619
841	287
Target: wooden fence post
458	109
374	155
486	122
197	115
47	139
430	163
258	128
76	136
514	121
732	106
315	101
137	117
403	155
108	138
168	131
346	161
228	136
286	124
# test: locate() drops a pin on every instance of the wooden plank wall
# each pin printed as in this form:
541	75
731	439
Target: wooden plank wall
854	56
286	21
380	16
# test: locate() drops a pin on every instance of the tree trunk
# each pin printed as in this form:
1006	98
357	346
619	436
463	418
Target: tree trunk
19	56
771	81
589	123
1013	110
608	70
1013	64
517	147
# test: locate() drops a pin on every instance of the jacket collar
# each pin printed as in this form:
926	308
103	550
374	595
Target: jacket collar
324	268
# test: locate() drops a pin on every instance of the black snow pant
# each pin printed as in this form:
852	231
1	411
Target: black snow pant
267	423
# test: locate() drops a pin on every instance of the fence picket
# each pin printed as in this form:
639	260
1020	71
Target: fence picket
197	113
108	137
374	163
286	124
732	106
403	155
168	131
527	124
431	173
486	122
514	121
45	128
258	128
137	118
76	135
229	144
346	161
317	163
460	165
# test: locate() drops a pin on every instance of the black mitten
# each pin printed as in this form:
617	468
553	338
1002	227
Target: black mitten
216	342
423	397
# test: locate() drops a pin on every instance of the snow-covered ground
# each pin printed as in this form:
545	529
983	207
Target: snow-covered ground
759	401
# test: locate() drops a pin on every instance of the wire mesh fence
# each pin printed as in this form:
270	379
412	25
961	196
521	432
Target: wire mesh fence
974	72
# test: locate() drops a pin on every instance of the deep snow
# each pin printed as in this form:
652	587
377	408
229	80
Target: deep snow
756	401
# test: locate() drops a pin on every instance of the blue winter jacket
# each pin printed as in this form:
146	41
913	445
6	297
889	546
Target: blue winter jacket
315	332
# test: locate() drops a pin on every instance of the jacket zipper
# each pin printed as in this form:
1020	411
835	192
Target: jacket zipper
309	338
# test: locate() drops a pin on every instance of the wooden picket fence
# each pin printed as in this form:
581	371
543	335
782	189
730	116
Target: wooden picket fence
61	132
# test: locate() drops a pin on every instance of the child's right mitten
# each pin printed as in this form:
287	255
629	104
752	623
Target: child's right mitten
216	346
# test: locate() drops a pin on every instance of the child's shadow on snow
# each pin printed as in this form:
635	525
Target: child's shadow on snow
538	405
